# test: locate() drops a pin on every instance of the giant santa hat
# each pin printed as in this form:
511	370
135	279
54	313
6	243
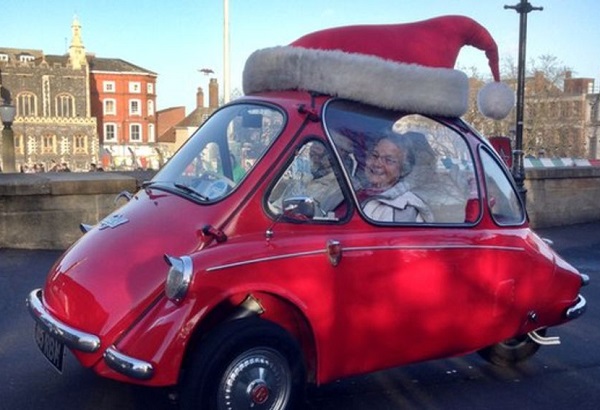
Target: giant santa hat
399	66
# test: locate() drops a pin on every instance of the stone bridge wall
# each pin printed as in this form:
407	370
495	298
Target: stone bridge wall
43	211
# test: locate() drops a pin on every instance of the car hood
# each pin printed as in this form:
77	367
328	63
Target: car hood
117	270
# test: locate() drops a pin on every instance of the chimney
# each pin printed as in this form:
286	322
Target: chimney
213	93
199	98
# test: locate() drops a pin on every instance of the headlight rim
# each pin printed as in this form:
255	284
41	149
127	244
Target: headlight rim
176	290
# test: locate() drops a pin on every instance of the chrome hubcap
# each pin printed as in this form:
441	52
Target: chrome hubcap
259	378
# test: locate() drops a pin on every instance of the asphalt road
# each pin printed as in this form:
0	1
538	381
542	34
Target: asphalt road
558	377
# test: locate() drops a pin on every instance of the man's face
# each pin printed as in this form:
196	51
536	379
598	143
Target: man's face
384	163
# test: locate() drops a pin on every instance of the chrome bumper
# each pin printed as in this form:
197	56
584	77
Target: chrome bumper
86	342
73	338
129	366
577	309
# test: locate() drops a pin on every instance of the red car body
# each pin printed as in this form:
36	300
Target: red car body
225	264
455	289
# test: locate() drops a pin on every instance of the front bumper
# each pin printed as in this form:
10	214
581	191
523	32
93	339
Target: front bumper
86	342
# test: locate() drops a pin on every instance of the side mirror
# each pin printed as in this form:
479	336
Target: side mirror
298	208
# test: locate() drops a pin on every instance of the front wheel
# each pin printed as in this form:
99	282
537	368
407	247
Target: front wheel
245	364
511	351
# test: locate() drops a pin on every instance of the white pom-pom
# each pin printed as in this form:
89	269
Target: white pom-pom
495	100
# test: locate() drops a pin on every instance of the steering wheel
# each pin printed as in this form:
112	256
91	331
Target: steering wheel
218	185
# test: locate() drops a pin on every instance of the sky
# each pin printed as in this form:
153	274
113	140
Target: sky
177	38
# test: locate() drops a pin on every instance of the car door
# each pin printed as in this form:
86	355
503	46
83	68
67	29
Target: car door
406	290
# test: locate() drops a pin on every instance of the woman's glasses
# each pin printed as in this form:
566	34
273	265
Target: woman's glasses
385	159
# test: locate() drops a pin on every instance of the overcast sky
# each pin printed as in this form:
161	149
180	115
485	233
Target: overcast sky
176	38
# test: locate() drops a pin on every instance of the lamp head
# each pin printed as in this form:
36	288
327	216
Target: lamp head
7	113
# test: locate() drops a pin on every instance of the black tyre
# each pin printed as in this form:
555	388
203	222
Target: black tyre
244	364
511	351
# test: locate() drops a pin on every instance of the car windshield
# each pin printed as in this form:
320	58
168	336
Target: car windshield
221	152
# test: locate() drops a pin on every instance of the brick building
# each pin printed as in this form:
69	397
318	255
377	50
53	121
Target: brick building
123	99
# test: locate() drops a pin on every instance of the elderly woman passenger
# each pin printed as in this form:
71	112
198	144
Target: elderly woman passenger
388	196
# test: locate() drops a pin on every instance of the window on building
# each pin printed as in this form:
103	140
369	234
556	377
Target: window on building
151	133
3	57
110	132
108	86
65	105
48	144
80	144
150	107
150	88
135	87
135	107
26	58
110	107
135	133
26	105
19	145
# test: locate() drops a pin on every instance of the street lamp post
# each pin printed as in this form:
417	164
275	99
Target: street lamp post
518	168
7	112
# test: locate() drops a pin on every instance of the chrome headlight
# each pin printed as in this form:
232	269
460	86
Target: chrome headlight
179	277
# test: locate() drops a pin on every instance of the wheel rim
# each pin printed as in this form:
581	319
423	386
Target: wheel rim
259	378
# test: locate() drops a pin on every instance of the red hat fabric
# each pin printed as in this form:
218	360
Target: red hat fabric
432	43
401	66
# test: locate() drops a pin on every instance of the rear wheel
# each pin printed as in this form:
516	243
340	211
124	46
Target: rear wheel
245	364
511	351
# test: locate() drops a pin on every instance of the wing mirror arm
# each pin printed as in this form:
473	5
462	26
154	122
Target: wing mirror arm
297	209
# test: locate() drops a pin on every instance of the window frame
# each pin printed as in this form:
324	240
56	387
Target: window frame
135	87
350	112
485	150
48	144
26	100
107	125
105	106
135	128
292	155
109	86
65	105
135	107
80	144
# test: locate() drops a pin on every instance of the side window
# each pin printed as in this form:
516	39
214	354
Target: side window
309	188
405	168
503	200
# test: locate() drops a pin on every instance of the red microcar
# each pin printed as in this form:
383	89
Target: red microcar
338	219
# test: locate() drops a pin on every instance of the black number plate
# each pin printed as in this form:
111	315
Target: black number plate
51	348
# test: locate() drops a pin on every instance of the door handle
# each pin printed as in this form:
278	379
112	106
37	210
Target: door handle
334	251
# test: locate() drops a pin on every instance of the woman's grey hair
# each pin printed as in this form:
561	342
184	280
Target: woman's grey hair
404	142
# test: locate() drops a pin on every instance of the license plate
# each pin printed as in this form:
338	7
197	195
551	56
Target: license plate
51	348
